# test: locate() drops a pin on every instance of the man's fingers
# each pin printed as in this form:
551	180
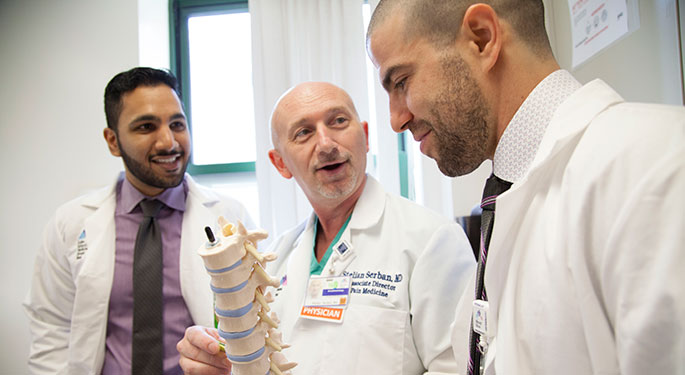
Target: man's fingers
201	338
214	333
200	353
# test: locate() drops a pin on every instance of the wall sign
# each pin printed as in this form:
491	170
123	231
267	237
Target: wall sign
595	24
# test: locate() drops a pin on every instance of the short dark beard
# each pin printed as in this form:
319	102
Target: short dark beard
146	176
461	114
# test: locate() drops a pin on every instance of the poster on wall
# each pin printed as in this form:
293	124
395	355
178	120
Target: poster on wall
595	24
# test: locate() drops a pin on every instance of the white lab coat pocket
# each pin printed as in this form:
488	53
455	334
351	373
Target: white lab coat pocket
379	335
369	341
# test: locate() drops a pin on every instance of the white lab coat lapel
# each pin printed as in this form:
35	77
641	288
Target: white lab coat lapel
94	282
298	273
367	212
559	135
194	280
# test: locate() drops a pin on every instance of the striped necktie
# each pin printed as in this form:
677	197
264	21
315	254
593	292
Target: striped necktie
494	186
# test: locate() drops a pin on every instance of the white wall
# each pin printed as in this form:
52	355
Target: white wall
643	66
57	57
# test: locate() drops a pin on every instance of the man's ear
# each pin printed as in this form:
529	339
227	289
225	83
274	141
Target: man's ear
277	161
111	139
482	33
365	126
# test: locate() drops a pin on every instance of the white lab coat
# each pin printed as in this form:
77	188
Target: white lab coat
67	304
586	264
405	332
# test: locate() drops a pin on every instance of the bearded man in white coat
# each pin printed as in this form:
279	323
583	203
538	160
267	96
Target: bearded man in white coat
386	248
81	304
585	264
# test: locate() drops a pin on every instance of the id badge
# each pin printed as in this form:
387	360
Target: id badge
326	298
480	317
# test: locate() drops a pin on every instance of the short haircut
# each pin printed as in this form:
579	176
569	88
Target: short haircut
299	86
439	20
128	81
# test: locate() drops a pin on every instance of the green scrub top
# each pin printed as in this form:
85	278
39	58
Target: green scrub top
315	267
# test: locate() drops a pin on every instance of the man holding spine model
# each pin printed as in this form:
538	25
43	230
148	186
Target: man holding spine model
379	251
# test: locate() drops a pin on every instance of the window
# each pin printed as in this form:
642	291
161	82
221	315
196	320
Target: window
213	61
406	183
211	56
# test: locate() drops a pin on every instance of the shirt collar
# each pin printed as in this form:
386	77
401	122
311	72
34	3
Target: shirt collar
521	138
174	197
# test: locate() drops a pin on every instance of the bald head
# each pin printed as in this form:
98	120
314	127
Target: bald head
439	21
319	141
305	95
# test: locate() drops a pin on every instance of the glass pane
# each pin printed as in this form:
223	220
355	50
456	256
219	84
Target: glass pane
241	186
370	80
221	100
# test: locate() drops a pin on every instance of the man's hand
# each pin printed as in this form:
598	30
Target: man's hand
200	354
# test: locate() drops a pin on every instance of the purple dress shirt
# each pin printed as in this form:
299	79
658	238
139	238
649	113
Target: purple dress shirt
127	218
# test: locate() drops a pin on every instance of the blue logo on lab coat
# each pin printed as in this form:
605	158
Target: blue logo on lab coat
81	246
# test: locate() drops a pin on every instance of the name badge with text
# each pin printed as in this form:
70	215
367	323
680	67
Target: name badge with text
326	298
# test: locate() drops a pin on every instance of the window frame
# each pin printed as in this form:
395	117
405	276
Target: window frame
179	13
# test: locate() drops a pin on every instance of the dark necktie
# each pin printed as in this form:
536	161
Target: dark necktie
494	186
147	352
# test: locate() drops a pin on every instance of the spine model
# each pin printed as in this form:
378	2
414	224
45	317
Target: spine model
253	343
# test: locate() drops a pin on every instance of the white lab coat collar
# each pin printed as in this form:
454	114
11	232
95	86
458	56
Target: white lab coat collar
99	197
366	213
203	195
369	208
578	107
103	195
